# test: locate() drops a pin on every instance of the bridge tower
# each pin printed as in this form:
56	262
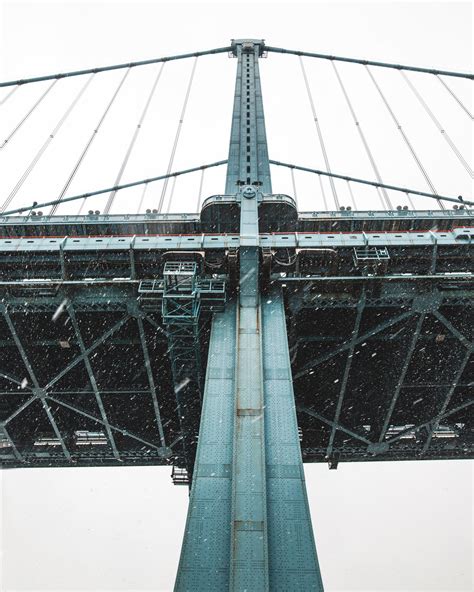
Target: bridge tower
249	525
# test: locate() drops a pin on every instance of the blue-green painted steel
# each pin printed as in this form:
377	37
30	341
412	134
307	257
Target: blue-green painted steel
205	554
293	563
249	526
248	152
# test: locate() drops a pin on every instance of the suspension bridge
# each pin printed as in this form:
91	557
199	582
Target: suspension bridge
235	343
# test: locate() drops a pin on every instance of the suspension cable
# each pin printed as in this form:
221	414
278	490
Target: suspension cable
323	56
88	145
458	200
434	119
45	145
142	197
323	193
9	94
111	198
178	132
404	136
410	200
117	66
35	204
293	182
320	135
384	197
455	97
173	185
349	186
25	117
201	183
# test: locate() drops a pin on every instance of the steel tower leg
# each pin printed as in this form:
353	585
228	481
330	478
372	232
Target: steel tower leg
249	526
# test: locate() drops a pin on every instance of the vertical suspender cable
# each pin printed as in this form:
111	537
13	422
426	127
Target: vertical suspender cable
22	121
201	183
352	195
178	131
111	197
434	119
455	97
384	195
9	94
323	193
320	135
142	197
48	141
412	206
292	171
173	185
405	138
87	146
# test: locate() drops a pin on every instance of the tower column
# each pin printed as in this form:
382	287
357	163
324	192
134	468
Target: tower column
249	526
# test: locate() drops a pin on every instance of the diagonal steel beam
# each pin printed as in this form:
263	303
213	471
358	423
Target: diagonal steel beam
154	324
90	372
401	378
454	331
14	380
20	409
88	350
444	406
347	369
331	423
98	420
40	391
316	362
151	381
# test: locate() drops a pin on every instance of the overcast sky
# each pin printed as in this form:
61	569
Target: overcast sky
392	526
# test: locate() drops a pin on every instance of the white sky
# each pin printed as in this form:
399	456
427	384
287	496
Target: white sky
396	526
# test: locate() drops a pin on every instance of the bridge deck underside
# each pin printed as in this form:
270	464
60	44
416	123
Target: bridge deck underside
377	376
105	378
380	329
383	378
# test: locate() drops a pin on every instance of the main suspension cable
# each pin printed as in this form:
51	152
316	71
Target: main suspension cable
45	145
458	200
178	132
25	117
384	196
117	66
323	56
404	136
88	145
320	135
35	204
455	97
111	198
441	129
